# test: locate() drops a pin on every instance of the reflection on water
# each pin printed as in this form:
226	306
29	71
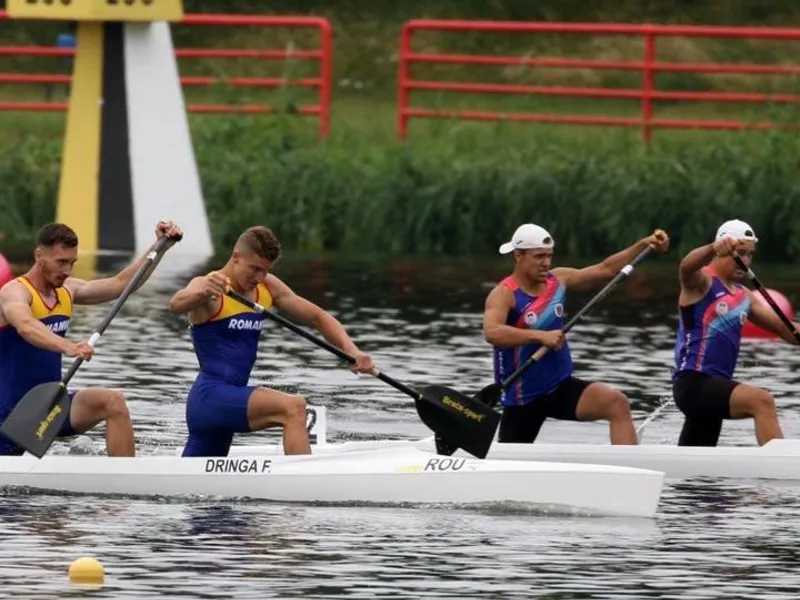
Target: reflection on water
421	323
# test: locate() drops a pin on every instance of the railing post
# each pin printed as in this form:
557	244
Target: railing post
326	75
648	82
402	81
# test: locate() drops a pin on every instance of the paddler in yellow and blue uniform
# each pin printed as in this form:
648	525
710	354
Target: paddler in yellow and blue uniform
35	313
23	365
225	335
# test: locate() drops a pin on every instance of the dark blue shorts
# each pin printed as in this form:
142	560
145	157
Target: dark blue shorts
9	448
215	411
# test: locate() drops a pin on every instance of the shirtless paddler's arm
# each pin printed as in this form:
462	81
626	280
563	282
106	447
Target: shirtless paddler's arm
310	314
16	310
498	303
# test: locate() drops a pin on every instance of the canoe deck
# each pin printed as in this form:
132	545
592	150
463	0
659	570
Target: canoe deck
396	475
776	460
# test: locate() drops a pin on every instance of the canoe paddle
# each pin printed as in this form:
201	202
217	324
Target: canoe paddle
465	422
759	286
36	420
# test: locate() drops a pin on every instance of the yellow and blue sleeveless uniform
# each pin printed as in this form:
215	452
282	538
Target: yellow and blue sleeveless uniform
226	347
23	366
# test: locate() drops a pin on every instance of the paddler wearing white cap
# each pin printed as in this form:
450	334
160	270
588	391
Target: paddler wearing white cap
526	311
713	308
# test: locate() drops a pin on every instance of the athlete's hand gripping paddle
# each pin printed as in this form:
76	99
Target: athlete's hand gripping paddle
36	420
464	421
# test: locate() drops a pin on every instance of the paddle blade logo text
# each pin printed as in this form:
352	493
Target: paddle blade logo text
467	412
47	420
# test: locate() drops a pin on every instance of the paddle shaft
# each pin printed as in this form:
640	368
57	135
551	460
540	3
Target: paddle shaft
752	276
316	340
623	272
129	289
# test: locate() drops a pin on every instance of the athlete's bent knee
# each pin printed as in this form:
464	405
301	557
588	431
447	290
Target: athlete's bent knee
295	409
116	407
618	406
762	402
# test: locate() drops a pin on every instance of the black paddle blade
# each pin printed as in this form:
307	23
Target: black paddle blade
490	395
444	447
37	418
458	419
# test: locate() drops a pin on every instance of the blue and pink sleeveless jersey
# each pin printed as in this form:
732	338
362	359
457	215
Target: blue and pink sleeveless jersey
710	331
544	312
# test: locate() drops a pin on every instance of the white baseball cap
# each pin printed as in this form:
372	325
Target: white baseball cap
526	237
736	229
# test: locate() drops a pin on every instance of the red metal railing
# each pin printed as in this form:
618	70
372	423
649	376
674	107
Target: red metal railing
649	66
322	54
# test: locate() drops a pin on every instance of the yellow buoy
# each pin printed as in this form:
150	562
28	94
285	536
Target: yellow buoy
86	569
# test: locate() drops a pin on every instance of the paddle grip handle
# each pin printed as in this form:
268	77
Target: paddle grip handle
623	272
759	286
129	288
324	344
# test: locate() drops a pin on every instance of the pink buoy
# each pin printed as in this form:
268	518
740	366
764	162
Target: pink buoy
6	274
752	331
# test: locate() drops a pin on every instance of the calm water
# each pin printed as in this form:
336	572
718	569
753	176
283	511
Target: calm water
421	323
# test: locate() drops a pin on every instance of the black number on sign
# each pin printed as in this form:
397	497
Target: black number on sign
130	2
147	2
66	2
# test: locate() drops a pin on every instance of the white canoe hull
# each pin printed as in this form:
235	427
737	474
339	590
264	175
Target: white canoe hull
778	459
403	475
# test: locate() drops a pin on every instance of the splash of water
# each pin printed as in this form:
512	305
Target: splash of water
664	403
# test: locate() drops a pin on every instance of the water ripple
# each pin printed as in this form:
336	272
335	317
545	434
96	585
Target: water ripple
710	539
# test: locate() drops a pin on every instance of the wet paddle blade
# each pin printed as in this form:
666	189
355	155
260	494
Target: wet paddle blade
490	395
458	419
443	447
36	420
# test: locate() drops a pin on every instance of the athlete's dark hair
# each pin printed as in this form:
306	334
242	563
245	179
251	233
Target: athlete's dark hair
56	233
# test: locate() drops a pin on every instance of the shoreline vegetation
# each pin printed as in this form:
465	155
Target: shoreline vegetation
456	188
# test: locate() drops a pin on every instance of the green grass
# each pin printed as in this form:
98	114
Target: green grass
373	120
365	60
454	185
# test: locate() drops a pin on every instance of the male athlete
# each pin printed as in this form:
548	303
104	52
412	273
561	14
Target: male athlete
713	310
35	312
225	335
524	312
